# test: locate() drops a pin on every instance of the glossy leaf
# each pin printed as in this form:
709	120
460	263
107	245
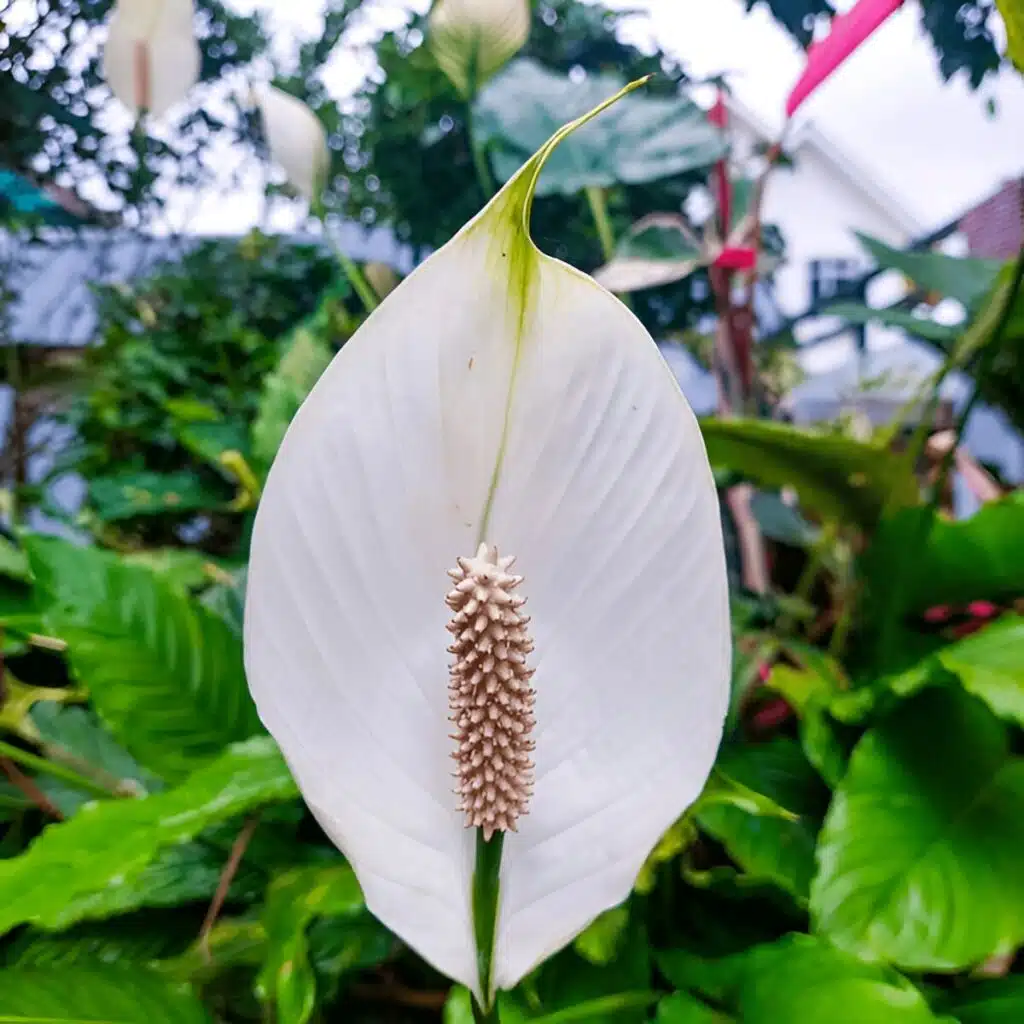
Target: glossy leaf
965	279
921	326
798	978
640	139
44	885
472	39
919	858
767	845
163	673
296	139
656	250
104	993
836	476
286	979
151	58
399	461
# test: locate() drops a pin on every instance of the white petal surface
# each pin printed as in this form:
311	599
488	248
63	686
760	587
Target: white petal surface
296	138
606	498
151	46
472	39
608	501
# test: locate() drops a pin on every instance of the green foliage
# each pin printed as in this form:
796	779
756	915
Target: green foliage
835	475
163	672
97	992
930	815
639	140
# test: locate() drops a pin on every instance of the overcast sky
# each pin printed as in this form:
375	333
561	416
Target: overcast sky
931	145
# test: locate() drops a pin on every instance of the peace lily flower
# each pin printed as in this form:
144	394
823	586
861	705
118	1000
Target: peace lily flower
151	58
473	39
497	483
296	139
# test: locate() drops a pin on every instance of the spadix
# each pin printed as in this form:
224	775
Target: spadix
497	397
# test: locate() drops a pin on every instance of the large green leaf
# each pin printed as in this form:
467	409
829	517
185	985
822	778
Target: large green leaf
54	883
919	860
997	1001
989	664
765	845
106	993
286	980
640	139
1013	18
837	476
164	673
950	563
127	495
964	279
798	979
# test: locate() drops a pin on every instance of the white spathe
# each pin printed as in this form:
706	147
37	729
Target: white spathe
473	39
493	370
151	57
296	139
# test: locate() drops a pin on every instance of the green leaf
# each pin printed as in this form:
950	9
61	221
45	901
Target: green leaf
837	476
599	942
127	495
989	664
107	993
458	1007
764	844
286	979
966	280
52	884
1013	19
797	979
682	1008
13	561
919	860
304	359
997	1001
181	567
164	673
640	139
920	326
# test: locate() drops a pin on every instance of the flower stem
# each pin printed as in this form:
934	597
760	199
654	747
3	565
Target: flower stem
486	893
599	211
480	164
58	771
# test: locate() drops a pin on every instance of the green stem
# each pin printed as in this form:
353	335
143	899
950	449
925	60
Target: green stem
40	764
486	893
480	164
599	211
349	268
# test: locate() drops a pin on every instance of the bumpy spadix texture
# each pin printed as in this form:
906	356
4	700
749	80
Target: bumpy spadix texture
490	694
495	395
151	58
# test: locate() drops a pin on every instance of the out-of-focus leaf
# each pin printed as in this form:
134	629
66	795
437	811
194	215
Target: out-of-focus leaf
920	326
656	250
13	561
227	599
919	859
303	361
123	837
458	1008
286	980
640	139
599	942
769	845
209	441
996	1001
181	567
127	495
164	673
105	993
837	476
964	279
799	979
1013	18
